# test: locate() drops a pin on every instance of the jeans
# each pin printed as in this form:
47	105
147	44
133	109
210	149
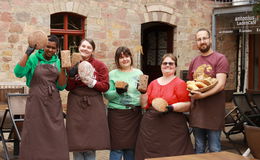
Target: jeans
88	155
202	136
127	154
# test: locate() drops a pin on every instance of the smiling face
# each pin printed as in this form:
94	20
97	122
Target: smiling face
86	50
123	58
168	66
203	41
50	50
125	61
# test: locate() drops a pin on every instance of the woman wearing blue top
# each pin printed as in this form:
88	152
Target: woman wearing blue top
124	112
44	135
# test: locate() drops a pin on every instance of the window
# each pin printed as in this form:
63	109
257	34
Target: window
69	28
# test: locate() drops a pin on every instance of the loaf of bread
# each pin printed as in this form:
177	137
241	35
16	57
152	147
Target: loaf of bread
85	70
143	82
75	58
200	84
206	81
37	39
121	84
65	58
192	86
159	104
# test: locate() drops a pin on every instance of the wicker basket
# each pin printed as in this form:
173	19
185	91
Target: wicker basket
206	88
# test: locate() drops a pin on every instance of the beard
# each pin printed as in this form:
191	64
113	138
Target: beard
204	50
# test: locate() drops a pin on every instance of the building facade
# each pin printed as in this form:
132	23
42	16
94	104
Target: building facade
149	28
237	31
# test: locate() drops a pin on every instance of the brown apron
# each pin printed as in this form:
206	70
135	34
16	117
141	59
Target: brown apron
124	127
44	134
162	135
86	123
208	113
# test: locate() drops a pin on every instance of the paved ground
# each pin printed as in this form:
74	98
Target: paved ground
103	155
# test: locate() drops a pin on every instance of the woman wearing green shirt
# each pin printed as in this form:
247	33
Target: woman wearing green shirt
44	135
124	111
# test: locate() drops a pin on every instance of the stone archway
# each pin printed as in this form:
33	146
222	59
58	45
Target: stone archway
159	13
73	7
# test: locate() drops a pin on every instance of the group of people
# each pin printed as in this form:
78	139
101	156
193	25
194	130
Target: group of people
129	125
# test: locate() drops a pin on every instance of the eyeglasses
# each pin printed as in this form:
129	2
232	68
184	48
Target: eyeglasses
168	63
202	39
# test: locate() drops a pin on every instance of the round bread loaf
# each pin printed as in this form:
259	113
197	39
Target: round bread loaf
85	69
159	104
37	38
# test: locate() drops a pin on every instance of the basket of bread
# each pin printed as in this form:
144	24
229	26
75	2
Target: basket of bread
202	80
202	84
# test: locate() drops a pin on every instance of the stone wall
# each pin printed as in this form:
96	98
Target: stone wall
227	45
111	23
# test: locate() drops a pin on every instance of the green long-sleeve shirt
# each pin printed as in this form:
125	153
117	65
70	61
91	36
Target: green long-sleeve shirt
31	64
131	97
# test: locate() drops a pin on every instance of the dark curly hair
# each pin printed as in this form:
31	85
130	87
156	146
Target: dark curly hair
53	38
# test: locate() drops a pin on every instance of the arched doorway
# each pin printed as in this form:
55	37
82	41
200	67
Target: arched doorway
157	39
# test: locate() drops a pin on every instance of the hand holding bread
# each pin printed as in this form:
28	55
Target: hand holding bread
37	40
160	104
142	83
65	59
85	70
121	87
202	81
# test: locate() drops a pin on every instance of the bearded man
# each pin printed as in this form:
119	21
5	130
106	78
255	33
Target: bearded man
208	108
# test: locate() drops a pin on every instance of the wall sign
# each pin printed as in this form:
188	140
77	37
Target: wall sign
237	23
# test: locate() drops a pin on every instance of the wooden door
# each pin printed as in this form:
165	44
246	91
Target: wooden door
157	40
254	62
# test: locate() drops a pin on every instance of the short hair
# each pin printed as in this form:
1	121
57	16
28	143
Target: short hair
90	41
54	38
204	29
125	51
170	55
